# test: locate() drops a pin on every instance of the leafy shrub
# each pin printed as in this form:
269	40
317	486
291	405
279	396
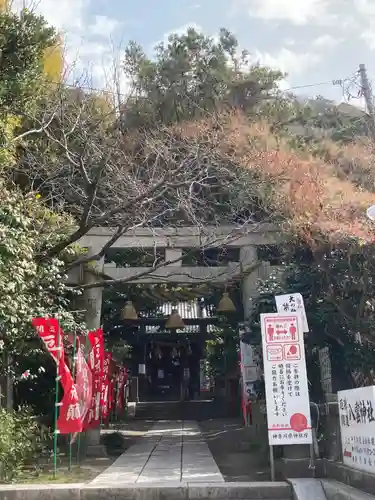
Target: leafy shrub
21	442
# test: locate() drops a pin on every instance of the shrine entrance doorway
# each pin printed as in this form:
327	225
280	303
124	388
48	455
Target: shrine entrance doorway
173	370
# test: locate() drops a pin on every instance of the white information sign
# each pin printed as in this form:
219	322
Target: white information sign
357	423
249	368
290	304
249	365
287	397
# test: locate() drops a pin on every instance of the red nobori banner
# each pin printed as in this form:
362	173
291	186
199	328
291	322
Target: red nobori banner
96	365
111	394
83	381
50	332
69	420
106	384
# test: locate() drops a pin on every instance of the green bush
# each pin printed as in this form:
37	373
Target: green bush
22	440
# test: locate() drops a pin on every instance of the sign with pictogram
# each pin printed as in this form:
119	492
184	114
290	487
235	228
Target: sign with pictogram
274	353
287	396
292	352
280	328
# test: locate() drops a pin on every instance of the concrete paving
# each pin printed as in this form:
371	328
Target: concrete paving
171	452
307	489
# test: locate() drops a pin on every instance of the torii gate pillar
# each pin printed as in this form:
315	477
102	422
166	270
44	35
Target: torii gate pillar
249	288
92	300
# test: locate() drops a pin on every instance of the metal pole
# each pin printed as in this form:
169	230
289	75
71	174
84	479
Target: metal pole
73	375
57	383
312	452
272	463
312	461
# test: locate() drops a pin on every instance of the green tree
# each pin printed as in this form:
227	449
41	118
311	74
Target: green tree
337	284
23	41
192	75
29	289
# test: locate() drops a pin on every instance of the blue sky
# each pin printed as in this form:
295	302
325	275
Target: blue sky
312	40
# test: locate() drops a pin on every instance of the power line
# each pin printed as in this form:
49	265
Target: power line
319	84
296	87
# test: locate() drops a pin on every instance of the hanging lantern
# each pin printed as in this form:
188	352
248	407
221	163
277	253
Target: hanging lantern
174	321
226	304
129	311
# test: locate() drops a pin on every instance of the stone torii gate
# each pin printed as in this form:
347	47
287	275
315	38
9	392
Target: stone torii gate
174	241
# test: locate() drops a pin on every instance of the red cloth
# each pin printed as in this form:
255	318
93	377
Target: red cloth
69	420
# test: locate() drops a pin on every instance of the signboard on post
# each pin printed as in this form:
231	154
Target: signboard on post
357	424
287	397
249	365
291	304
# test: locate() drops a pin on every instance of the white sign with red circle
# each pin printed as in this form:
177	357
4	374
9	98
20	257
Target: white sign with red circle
287	397
292	352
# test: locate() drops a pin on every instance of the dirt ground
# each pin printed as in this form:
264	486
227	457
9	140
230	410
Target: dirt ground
240	453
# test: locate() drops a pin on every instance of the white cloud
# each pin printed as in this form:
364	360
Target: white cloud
326	42
298	12
365	11
103	26
288	61
368	36
365	7
67	15
289	42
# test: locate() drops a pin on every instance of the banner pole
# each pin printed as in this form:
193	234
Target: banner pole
58	357
79	434
73	374
78	447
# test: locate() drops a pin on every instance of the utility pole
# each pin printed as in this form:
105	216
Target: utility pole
367	94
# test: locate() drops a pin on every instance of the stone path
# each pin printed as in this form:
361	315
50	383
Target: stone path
169	452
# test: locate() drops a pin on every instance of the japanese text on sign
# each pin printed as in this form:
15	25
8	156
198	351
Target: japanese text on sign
357	423
288	406
292	304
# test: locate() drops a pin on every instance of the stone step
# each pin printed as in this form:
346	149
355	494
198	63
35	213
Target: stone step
191	491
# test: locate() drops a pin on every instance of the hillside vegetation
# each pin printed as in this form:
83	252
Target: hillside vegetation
204	139
312	196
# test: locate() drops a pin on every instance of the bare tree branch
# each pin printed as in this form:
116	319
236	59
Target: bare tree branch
158	178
